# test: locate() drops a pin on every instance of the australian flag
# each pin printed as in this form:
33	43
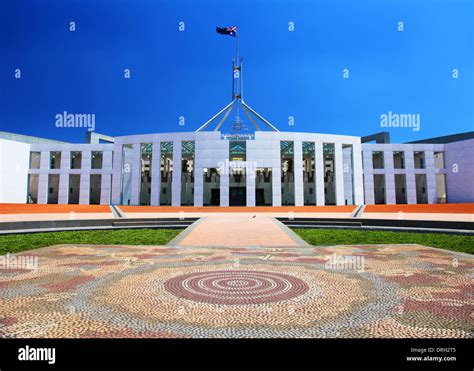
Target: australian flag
231	31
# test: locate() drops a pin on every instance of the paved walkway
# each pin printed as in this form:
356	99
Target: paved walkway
238	230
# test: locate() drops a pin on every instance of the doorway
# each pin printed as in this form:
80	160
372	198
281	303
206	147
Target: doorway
215	197
238	196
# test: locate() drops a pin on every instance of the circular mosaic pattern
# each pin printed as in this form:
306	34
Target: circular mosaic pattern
234	287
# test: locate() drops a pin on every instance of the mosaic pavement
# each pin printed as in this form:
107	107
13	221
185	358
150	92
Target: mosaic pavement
148	291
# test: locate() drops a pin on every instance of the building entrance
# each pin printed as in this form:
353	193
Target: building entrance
215	197
237	196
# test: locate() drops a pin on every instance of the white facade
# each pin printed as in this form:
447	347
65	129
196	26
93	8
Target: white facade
14	158
403	173
429	170
460	170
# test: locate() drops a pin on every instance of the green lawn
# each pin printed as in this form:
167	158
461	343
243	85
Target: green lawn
19	242
357	237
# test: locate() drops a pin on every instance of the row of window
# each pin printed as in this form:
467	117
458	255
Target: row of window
75	160
237	152
399	160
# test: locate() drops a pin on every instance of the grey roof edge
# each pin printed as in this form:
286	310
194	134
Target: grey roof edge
382	137
27	138
447	138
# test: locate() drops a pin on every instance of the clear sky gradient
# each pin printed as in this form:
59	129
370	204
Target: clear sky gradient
188	73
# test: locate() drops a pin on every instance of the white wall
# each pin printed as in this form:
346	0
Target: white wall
460	171
14	163
264	151
410	171
85	171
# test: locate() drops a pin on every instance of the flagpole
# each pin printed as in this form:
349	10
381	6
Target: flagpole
237	46
237	61
233	79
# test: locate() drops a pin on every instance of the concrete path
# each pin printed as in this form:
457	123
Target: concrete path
238	230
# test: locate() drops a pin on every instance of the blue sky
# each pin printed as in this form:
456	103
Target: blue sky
187	74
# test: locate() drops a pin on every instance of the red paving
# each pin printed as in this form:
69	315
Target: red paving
467	208
51	209
237	209
237	231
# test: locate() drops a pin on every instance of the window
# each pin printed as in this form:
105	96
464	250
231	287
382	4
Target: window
96	160
76	160
127	166
439	160
237	150
35	159
399	160
309	180
377	160
145	173
55	160
419	158
187	172
287	154
348	173
166	170
329	174
32	193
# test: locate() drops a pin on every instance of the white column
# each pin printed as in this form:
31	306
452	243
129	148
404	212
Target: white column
43	188
319	173
176	182
410	177
430	177
105	188
63	193
198	185
106	181
390	197
368	178
298	171
84	189
117	174
43	178
224	185
155	174
136	174
276	184
357	174
339	168
431	188
250	173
